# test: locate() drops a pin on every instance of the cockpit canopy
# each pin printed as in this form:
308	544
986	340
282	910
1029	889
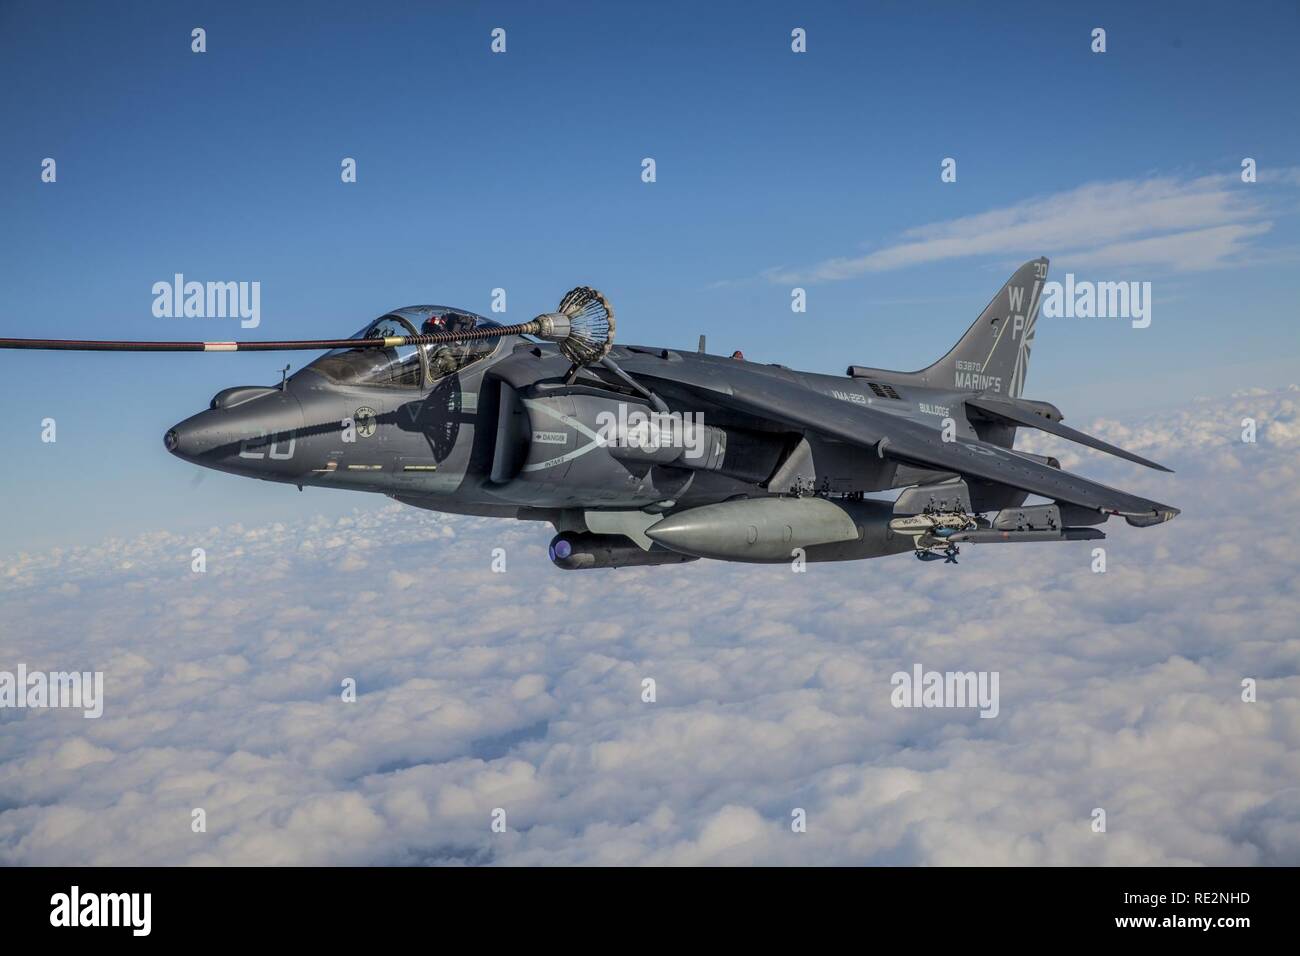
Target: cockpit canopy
409	366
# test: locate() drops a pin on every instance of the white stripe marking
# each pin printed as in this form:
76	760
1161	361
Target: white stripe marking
596	442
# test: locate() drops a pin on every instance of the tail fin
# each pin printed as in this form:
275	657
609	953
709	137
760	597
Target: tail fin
993	355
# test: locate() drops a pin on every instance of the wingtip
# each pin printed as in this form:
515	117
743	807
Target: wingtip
1158	515
1138	459
1131	456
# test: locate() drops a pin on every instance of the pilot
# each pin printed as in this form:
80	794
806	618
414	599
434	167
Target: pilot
451	322
445	359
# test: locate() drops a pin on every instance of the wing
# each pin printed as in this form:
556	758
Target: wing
1021	416
909	442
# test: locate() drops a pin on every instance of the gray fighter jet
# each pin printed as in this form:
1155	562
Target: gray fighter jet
640	455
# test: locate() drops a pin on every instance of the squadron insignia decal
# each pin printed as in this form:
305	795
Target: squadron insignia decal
364	418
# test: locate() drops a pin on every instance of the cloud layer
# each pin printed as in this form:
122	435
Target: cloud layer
522	690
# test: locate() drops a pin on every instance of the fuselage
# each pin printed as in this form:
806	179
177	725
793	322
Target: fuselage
507	436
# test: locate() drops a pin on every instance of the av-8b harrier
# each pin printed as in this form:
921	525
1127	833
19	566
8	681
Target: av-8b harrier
641	455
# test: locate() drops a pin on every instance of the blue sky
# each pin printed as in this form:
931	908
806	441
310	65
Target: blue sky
523	171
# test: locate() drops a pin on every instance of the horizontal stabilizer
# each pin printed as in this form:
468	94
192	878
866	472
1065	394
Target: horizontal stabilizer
1022	416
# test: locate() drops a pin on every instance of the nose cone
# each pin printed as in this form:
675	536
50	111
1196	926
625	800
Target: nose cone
256	437
201	435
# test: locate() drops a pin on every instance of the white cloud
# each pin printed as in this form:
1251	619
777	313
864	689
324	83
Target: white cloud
1164	222
523	690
